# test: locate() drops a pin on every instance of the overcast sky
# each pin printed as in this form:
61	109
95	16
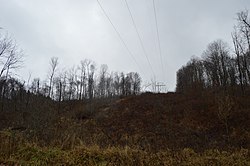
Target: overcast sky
74	30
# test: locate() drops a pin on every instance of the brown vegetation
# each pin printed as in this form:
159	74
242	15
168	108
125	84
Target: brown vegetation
146	125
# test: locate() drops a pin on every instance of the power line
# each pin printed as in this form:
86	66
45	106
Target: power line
139	37
119	35
158	37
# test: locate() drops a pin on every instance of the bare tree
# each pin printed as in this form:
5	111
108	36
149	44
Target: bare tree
10	59
53	67
244	44
58	85
35	86
117	80
216	59
122	84
64	84
72	83
110	85
10	56
102	80
83	77
236	43
91	81
87	67
243	18
136	83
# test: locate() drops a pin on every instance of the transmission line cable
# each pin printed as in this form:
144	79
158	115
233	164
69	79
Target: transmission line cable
119	35
158	37
139	37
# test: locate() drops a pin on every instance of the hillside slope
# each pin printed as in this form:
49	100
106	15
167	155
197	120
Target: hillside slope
148	121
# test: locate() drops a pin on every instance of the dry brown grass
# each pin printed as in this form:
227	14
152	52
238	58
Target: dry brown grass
16	151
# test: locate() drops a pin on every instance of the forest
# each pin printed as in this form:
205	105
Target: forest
219	68
88	115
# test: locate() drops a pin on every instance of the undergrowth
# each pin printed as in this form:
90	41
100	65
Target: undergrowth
16	151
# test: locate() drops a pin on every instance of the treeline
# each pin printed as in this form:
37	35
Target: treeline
10	60
218	68
85	81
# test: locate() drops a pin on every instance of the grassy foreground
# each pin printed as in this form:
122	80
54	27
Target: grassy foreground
16	151
33	155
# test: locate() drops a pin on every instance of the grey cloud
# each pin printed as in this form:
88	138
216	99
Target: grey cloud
76	29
